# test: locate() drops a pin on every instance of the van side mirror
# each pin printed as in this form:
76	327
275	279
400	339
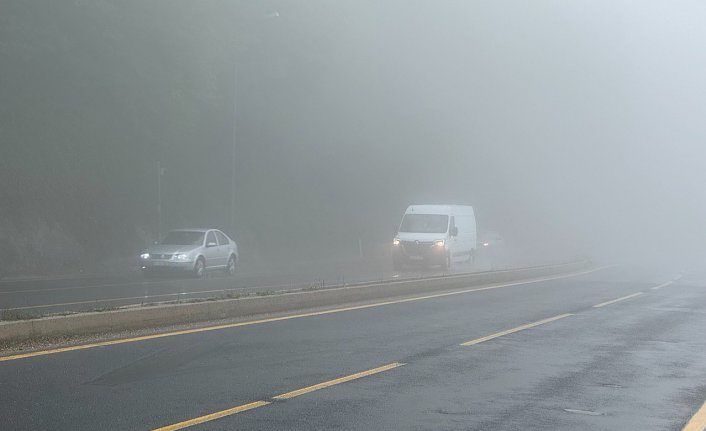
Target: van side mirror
453	231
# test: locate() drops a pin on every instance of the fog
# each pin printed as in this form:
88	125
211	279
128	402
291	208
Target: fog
299	127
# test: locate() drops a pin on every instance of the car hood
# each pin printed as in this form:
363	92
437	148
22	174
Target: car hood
171	249
422	237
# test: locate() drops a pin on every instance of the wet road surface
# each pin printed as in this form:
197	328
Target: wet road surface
618	348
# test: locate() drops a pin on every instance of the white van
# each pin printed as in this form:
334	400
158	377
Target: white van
435	235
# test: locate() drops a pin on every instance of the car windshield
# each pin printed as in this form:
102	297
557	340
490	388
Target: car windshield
424	223
183	238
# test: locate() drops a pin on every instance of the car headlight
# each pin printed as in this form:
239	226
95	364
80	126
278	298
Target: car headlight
181	256
439	242
145	256
396	241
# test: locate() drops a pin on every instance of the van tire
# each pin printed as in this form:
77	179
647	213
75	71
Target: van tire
472	257
446	266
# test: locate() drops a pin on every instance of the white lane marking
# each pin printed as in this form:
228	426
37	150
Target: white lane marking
613	301
663	285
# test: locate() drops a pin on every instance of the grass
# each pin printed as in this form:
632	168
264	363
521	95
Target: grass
106	308
10	315
231	295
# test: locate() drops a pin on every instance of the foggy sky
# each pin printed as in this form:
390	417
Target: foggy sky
576	126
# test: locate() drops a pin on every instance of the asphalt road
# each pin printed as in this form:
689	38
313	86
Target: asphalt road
560	354
33	297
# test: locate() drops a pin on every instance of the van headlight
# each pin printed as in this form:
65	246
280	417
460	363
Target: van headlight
145	256
440	243
396	241
181	256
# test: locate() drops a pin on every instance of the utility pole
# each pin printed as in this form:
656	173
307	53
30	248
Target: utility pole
234	148
160	172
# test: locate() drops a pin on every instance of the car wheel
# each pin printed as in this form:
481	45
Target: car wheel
199	268
230	267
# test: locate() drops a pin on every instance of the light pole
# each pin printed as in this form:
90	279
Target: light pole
233	148
233	153
160	172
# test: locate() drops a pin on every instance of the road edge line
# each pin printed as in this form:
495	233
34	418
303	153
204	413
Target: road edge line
698	421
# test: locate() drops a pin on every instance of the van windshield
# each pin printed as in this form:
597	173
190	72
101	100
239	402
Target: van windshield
425	223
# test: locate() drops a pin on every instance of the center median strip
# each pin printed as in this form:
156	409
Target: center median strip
285	396
284	318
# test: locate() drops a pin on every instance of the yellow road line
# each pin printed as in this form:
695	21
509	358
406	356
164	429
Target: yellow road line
213	416
663	285
613	301
513	330
698	421
337	381
245	407
278	319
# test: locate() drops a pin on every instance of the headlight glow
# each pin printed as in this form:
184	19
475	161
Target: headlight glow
145	256
439	243
396	241
181	256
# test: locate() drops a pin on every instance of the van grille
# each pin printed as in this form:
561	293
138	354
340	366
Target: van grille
416	248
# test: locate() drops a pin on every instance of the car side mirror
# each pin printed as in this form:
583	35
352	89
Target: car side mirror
211	244
453	231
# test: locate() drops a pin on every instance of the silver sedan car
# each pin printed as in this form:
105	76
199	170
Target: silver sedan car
191	251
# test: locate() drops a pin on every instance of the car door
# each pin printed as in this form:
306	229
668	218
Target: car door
223	247
213	257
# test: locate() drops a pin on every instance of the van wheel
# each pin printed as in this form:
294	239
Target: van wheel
472	257
446	266
200	268
230	267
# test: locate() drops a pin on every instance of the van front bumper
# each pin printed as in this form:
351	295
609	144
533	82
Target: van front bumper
422	253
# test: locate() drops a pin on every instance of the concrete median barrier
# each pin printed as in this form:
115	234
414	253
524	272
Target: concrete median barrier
251	306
